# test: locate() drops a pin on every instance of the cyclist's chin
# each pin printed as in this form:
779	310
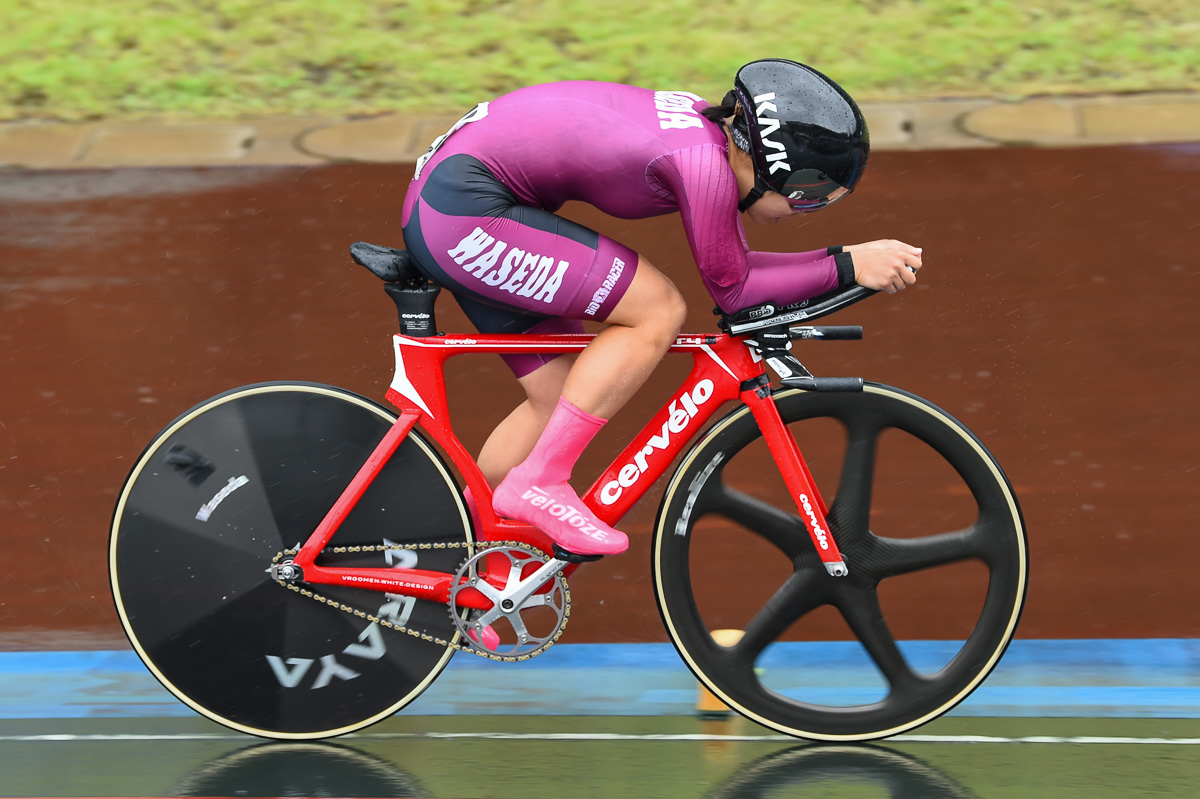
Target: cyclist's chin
766	212
766	218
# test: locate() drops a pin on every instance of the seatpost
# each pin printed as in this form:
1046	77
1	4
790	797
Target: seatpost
414	298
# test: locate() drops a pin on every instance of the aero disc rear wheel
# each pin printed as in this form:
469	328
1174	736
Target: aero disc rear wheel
209	504
932	535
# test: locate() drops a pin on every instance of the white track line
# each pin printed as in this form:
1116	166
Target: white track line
599	736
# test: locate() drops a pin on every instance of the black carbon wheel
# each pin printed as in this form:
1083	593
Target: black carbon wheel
932	535
210	503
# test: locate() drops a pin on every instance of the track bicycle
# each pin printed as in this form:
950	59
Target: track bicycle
295	561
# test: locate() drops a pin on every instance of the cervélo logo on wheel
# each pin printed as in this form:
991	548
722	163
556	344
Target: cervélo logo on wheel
678	419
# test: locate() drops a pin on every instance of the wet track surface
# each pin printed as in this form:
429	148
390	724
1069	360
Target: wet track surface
1055	317
519	758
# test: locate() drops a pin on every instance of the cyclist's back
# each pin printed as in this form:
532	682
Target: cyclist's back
599	143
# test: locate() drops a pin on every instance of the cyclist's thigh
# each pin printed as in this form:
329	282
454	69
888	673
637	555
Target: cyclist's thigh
469	232
491	318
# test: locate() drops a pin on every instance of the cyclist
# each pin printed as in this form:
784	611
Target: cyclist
479	218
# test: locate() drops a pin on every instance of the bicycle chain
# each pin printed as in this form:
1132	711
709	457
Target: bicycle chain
424	636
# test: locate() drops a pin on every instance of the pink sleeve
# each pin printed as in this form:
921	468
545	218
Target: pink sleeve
705	188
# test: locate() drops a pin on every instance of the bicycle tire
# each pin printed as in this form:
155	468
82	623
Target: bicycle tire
699	490
216	496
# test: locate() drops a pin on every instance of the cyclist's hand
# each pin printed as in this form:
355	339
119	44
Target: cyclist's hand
885	265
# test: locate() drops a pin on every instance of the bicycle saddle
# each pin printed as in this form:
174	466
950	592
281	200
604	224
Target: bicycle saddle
386	263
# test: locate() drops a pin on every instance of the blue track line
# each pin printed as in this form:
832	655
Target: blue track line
1152	678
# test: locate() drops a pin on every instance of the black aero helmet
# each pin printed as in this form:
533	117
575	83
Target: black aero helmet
807	137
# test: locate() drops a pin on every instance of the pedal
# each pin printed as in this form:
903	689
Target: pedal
572	557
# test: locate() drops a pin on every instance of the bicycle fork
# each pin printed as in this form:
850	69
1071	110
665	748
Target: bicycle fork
796	477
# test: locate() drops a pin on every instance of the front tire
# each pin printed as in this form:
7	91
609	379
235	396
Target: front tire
916	493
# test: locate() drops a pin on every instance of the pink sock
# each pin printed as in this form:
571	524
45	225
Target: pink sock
538	492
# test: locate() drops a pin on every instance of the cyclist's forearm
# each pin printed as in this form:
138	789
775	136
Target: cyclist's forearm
781	278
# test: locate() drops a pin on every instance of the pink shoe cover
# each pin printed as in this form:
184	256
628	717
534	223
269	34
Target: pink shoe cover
538	491
558	512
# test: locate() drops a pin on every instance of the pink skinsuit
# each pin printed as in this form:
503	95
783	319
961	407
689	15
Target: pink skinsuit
632	153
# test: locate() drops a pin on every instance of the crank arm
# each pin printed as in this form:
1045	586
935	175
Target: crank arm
514	597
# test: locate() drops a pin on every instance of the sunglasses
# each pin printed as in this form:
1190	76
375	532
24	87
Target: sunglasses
811	189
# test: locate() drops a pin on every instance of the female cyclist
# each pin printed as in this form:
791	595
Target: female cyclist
479	219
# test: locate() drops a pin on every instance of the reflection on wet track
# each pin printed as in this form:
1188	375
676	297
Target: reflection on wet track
573	758
319	770
299	769
814	770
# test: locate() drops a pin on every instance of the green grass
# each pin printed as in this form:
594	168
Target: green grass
81	59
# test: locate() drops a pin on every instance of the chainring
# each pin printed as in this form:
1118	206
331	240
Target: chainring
528	610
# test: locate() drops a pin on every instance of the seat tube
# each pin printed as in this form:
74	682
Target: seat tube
797	478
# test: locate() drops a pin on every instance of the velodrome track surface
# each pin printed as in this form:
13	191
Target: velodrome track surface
1055	317
520	757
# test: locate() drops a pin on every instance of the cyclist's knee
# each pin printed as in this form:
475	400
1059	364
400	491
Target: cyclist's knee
667	312
652	303
674	312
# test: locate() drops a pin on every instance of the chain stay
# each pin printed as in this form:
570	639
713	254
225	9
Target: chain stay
424	636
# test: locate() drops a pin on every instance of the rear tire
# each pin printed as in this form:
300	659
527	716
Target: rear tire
213	500
719	529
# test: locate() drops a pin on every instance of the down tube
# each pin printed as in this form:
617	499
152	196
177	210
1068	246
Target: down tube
629	477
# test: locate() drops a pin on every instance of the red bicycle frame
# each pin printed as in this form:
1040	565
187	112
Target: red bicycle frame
723	369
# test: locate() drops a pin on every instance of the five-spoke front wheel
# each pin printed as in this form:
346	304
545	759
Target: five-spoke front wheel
931	533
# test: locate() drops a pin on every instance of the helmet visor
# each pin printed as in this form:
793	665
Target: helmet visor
811	189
